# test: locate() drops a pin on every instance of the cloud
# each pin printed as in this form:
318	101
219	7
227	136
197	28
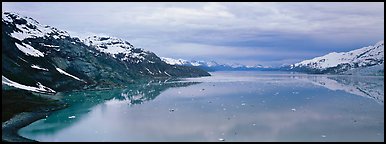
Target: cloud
218	30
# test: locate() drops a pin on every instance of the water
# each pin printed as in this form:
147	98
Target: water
228	106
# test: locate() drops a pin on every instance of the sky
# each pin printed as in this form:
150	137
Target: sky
250	33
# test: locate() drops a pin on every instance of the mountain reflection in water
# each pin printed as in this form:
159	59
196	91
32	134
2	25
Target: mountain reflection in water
370	87
82	102
228	106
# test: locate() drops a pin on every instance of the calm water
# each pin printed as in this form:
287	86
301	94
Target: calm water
228	106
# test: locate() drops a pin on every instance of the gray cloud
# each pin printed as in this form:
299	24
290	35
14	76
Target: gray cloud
218	30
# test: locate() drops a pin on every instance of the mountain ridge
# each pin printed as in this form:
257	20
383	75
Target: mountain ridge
342	62
34	54
215	66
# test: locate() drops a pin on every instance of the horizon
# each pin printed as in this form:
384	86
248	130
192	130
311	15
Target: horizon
270	34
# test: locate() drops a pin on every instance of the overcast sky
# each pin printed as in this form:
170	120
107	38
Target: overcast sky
247	33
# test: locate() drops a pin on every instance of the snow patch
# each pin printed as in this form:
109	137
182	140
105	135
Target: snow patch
65	73
167	73
40	88
37	67
149	71
20	35
29	50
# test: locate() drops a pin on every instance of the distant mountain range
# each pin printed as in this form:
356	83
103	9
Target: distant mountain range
214	66
43	58
363	61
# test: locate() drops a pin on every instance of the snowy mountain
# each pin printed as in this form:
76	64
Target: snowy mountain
26	27
175	61
213	66
172	61
116	48
343	62
42	58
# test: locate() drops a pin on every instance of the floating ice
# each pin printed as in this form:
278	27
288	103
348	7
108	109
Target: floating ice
293	109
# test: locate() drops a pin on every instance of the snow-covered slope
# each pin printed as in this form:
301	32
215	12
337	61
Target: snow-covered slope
27	27
115	47
175	61
339	62
41	88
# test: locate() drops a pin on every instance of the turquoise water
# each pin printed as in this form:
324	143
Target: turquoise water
228	106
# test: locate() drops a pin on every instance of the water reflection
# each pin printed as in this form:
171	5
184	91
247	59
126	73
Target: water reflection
140	93
83	102
370	87
224	107
367	86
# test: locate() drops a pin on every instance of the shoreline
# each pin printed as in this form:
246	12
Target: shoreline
11	127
